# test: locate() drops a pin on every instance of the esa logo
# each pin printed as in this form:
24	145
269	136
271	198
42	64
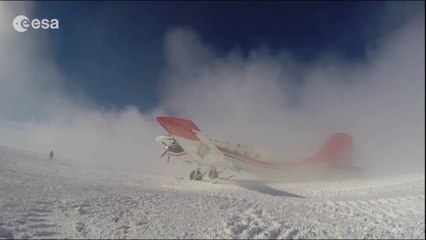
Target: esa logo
21	23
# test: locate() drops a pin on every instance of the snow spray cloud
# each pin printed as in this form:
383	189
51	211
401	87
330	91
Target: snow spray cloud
271	99
264	98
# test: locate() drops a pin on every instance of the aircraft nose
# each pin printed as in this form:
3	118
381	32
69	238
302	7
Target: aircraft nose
163	139
159	139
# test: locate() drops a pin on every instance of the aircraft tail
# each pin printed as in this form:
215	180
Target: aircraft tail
337	150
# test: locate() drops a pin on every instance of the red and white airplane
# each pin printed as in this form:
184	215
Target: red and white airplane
187	143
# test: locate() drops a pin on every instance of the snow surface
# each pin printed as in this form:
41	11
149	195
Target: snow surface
44	199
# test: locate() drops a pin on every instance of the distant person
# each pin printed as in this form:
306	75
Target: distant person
51	155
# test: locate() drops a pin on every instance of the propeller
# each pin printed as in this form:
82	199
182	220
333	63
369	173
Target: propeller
164	153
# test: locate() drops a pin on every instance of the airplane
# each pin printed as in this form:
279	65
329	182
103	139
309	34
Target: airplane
187	143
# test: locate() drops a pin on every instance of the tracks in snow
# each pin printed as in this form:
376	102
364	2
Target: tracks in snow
369	218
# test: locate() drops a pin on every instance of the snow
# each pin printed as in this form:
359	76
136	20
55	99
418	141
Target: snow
53	199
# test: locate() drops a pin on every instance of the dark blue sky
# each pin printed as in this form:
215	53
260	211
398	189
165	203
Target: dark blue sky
113	51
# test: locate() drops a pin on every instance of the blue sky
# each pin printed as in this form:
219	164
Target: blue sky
114	51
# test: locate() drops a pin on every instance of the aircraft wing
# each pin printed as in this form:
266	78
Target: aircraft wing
194	142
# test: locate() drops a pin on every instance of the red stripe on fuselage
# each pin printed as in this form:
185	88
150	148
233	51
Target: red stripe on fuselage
177	154
253	161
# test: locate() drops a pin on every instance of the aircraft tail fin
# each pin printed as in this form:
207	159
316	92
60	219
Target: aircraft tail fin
337	150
